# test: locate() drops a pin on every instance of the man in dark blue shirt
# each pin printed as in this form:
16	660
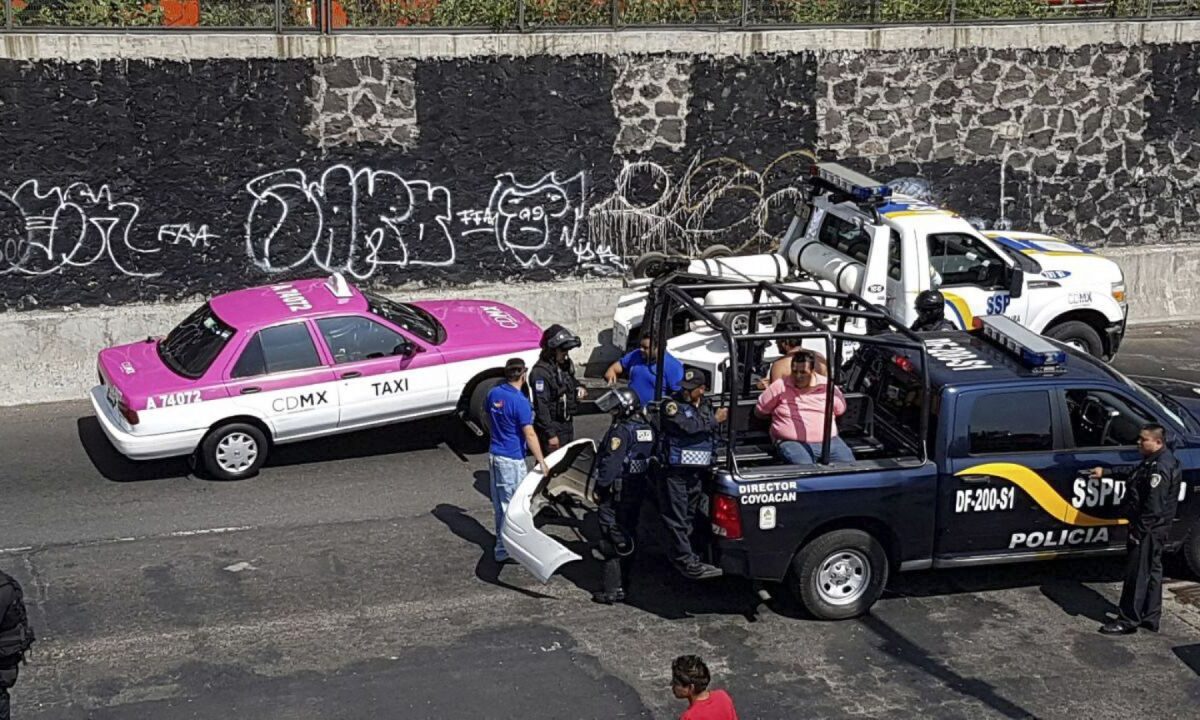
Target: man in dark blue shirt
510	416
641	366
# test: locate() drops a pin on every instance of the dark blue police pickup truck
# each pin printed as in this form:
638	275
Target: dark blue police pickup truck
973	452
971	448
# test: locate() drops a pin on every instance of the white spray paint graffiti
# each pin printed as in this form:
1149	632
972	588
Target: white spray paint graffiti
348	220
44	231
539	224
717	201
179	233
358	221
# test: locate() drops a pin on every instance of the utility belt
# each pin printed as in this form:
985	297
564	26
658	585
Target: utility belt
701	456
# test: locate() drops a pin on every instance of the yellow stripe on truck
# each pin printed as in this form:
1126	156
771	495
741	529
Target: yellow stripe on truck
1042	493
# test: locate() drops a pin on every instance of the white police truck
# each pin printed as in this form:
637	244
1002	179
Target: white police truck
855	234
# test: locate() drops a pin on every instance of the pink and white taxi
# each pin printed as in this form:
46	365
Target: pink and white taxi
298	360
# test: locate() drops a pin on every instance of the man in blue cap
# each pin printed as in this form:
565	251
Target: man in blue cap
510	415
689	427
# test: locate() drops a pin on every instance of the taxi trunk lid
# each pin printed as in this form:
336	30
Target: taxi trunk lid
476	323
130	372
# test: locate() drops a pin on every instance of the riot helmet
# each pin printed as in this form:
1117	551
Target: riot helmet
930	302
620	402
557	337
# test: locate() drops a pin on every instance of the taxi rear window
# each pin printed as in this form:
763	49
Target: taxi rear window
191	347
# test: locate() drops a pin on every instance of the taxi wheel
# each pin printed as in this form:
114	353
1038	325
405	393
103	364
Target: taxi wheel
840	575
1078	335
478	404
234	452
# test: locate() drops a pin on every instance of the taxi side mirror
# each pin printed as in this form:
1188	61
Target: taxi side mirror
1016	282
405	348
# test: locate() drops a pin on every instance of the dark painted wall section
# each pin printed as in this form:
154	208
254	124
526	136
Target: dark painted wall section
140	181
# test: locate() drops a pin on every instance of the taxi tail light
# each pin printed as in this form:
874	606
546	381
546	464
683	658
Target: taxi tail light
726	517
127	412
903	363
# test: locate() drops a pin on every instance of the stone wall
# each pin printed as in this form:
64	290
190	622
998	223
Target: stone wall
172	175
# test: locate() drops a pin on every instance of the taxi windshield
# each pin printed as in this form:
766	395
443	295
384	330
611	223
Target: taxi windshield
411	318
194	343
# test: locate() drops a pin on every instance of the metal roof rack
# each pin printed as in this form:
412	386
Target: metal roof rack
678	288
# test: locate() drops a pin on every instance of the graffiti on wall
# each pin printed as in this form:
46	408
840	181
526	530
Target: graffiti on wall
359	221
44	229
348	220
720	201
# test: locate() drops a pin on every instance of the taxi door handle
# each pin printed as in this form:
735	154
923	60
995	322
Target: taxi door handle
976	479
250	390
351	374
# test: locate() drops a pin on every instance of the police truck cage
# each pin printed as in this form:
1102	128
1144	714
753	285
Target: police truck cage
822	314
848	184
1035	352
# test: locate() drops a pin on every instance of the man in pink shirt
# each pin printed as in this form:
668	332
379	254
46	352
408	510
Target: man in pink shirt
796	408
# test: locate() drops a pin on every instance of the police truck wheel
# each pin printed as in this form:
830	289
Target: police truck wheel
234	452
840	575
1078	335
1191	549
477	410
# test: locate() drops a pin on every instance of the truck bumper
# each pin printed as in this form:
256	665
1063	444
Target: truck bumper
1114	334
141	447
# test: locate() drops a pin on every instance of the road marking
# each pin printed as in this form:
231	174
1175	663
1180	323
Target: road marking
239	566
113	541
211	531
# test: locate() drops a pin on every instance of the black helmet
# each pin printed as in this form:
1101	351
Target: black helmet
621	402
930	300
558	337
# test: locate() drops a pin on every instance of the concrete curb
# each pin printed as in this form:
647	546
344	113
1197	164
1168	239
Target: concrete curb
75	47
55	351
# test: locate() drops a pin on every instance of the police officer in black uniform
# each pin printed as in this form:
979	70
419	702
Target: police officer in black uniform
16	636
1152	492
689	427
620	474
556	391
931	313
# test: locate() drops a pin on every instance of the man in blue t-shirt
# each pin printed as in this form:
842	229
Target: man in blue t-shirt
510	416
641	366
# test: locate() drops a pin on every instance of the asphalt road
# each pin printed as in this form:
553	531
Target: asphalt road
352	579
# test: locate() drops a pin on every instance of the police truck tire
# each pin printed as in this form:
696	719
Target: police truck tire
234	452
477	409
840	574
1080	334
1191	549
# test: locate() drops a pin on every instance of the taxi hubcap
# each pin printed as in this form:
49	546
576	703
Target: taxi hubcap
843	577
236	452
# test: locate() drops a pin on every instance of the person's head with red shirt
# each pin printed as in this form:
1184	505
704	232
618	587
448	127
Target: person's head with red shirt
689	681
689	677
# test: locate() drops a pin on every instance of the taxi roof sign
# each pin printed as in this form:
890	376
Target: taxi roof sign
1034	351
338	286
858	186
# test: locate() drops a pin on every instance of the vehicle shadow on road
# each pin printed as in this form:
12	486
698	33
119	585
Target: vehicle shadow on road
899	646
114	466
390	439
1190	656
470	529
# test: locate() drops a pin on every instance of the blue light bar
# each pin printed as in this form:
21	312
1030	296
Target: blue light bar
858	186
1034	351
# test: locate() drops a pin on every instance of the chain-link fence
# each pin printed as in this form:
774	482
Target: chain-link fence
534	15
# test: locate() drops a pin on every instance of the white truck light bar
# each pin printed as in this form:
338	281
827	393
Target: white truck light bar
856	185
1033	350
338	286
